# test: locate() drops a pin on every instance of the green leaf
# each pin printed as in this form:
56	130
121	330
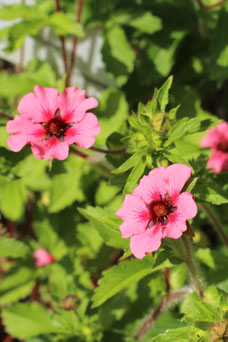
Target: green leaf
121	276
12	248
129	163
196	310
20	11
33	172
211	193
219	48
18	32
71	184
24	320
163	93
17	284
183	127
107	225
63	25
134	176
189	185
117	53
112	111
145	22
185	334
175	156
13	198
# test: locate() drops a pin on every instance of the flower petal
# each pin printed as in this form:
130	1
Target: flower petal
73	104
83	132
186	206
50	148
215	135
135	214
176	177
147	242
218	161
24	131
174	228
39	107
151	186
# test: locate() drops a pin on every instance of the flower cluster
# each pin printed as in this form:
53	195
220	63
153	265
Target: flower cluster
217	139
157	209
51	122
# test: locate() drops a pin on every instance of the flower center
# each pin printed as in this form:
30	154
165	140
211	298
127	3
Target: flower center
160	210
223	146
56	127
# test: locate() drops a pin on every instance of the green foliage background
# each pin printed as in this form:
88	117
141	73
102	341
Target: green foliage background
95	290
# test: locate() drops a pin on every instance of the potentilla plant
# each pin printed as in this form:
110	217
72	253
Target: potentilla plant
148	190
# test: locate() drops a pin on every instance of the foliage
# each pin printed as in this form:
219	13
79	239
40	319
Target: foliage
166	62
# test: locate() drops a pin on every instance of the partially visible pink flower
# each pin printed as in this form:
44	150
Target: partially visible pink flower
51	122
156	209
217	138
42	257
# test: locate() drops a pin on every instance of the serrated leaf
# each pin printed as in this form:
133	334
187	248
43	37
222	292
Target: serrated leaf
196	310
107	225
24	320
185	334
17	284
121	276
12	248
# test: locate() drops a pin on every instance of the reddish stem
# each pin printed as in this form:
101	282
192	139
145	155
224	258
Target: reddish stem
35	295
6	116
62	40
217	4
78	153
8	339
11	228
75	42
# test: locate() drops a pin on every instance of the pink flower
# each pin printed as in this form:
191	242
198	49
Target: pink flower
156	209
217	138
42	257
51	122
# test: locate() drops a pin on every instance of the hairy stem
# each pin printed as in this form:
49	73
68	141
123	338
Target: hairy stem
217	4
158	310
75	42
191	266
101	150
62	40
215	221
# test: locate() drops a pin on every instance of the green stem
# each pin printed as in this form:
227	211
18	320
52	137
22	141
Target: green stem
215	221
191	266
